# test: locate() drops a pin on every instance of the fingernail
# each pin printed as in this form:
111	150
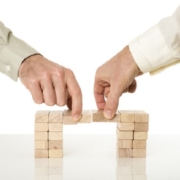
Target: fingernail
77	117
108	114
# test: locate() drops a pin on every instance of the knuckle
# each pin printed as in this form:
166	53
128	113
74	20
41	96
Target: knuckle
70	73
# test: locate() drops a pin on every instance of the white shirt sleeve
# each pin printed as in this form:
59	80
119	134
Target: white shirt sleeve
159	47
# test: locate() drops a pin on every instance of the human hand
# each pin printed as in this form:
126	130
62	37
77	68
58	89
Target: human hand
51	83
112	79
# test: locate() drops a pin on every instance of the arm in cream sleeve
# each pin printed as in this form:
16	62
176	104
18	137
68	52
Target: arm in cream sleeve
159	47
12	52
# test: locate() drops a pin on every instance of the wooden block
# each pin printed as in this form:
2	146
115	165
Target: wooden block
98	116
126	126
41	127
41	144
55	116
124	135
55	144
139	177
141	127
125	153
67	118
41	116
55	135
57	153
141	116
41	153
139	153
40	136
139	144
124	144
140	135
86	117
55	127
126	116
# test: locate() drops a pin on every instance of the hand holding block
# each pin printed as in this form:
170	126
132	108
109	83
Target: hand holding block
127	116
67	118
98	116
141	127
42	116
55	116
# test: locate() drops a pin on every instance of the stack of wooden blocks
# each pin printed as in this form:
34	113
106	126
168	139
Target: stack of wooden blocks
48	134
132	127
132	134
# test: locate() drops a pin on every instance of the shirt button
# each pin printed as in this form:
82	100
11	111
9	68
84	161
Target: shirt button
8	68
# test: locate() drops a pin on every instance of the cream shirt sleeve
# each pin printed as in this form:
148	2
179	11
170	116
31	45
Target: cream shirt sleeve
12	52
159	47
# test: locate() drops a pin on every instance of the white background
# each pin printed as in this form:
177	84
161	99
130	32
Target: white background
82	35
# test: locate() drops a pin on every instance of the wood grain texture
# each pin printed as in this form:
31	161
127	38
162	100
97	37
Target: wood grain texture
67	118
55	116
98	116
41	153
125	153
55	135
126	126
124	135
53	127
139	153
141	116
41	116
41	144
55	144
139	144
86	117
140	135
41	127
57	153
40	136
124	144
141	127
127	116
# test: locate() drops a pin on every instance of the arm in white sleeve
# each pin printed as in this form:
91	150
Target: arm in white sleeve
159	47
12	52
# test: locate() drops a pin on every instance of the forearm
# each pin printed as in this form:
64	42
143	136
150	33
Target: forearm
12	52
158	47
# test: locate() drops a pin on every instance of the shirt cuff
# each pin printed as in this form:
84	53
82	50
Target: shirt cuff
151	52
12	56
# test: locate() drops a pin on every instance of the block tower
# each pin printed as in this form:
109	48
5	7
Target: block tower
132	134
48	134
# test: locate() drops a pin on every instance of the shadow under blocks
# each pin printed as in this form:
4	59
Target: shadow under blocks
132	131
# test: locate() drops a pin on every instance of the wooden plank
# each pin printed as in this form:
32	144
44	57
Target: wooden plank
126	126
55	144
124	135
41	116
55	135
126	116
139	144
141	116
124	144
98	116
55	116
139	153
67	118
86	117
140	135
55	127
41	127
41	153
40	136
141	127
41	144
55	153
125	153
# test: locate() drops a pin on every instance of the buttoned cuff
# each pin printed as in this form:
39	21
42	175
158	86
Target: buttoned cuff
12	56
151	52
